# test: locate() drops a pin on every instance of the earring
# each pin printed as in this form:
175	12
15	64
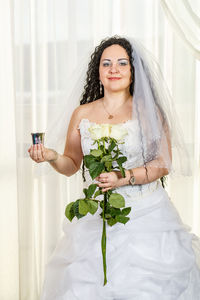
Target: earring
100	87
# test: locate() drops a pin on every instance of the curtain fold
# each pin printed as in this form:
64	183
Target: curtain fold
9	244
41	42
185	19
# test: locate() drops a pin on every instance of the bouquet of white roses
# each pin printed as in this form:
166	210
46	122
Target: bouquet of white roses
107	137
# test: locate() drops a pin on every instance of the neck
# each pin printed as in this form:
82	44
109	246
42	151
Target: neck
112	99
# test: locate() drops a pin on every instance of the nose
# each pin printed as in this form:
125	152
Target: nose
113	68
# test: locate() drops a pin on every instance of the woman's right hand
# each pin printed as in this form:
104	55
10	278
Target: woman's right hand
39	153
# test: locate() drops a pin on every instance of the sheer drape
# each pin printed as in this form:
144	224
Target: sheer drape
46	39
185	18
9	283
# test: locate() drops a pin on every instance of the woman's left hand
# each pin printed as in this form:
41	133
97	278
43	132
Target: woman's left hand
108	181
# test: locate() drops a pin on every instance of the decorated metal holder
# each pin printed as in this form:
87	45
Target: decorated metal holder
38	138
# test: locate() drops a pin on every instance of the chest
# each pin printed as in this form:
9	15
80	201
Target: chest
131	146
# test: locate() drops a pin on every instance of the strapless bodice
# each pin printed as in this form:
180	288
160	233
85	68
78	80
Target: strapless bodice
131	147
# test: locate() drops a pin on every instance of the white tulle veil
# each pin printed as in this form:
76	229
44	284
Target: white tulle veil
152	107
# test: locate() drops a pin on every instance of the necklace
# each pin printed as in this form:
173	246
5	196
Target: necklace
111	116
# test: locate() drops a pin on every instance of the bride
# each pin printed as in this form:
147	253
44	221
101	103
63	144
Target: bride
152	256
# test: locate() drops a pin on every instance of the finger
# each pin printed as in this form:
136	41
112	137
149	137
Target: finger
39	154
103	175
42	150
35	155
104	185
103	179
31	151
107	189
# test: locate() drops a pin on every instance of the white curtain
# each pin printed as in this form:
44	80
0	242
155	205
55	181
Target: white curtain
9	263
185	18
41	42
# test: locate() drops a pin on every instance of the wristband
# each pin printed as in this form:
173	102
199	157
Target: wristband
132	177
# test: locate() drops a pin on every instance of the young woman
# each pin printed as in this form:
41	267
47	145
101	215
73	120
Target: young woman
151	257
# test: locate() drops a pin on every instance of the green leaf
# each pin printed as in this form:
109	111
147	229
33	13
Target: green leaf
115	156
97	193
76	209
122	219
69	212
116	200
91	190
115	211
101	204
109	192
88	159
126	211
101	148
85	191
121	160
93	206
96	152
108	165
108	216
106	158
83	207
111	221
122	171
96	169
112	146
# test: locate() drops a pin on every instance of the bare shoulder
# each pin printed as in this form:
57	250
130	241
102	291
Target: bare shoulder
88	107
85	111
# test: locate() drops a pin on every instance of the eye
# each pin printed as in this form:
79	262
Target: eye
123	63
106	64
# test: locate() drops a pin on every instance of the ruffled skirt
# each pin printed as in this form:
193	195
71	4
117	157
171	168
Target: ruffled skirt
152	257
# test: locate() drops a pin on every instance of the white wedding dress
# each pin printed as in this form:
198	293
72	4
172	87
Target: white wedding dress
152	257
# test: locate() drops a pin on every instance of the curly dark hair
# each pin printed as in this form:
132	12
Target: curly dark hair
92	90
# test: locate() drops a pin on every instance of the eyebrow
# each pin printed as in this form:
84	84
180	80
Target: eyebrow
118	59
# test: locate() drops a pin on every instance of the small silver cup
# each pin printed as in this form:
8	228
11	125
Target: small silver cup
38	138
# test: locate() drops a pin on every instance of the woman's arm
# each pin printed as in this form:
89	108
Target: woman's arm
146	174
73	152
64	165
69	162
142	176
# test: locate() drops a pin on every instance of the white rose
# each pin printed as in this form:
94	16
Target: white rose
105	130
118	132
95	131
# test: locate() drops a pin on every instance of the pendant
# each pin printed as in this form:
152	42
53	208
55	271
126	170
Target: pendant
110	117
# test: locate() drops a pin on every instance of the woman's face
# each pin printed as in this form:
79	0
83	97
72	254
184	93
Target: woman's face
115	69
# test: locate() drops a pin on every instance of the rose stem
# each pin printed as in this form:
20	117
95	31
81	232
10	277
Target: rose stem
103	239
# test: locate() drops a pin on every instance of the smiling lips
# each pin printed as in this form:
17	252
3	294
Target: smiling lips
114	78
